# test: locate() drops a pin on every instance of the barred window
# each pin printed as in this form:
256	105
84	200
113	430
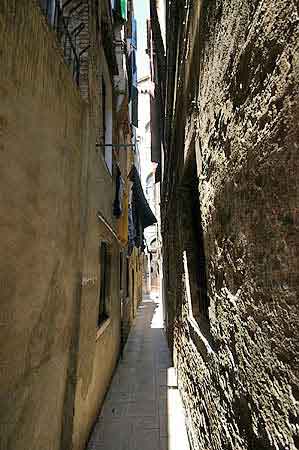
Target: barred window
66	21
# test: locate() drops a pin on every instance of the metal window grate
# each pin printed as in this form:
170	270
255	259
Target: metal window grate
64	18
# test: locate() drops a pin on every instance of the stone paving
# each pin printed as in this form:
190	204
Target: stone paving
143	408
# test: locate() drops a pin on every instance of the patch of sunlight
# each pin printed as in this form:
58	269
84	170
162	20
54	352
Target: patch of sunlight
177	433
157	320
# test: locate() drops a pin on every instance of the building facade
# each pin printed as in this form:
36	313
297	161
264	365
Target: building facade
67	114
229	216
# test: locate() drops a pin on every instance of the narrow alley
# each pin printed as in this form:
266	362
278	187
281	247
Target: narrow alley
143	407
149	214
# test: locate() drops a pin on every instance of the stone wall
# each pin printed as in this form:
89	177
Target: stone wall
41	148
238	370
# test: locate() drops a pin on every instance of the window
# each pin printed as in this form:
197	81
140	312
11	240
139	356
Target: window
106	111
105	268
65	21
193	241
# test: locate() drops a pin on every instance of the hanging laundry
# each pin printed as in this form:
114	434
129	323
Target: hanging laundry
119	194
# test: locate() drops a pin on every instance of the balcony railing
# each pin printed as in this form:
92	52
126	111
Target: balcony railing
64	18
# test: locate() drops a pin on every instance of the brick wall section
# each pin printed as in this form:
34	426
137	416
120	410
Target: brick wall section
238	373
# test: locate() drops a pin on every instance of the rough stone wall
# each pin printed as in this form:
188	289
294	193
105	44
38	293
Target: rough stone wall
41	116
239	371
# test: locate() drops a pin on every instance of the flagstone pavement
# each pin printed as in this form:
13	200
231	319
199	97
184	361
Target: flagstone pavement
143	409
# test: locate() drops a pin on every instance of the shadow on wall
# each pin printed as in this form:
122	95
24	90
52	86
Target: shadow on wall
193	240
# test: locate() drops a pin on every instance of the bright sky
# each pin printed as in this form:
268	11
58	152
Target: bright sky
142	13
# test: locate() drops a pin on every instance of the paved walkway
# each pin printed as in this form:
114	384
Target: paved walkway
143	408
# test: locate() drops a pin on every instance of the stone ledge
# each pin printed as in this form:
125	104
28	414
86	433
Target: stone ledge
199	340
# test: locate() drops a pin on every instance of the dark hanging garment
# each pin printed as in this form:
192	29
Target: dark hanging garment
140	213
129	72
134	99
143	210
143	245
131	231
158	174
134	68
119	193
134	89
155	128
136	220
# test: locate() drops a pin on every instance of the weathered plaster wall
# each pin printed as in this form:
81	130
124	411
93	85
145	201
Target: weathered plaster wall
99	349
41	116
98	346
55	364
241	384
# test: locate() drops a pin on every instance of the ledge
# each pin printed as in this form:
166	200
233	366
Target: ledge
199	340
103	328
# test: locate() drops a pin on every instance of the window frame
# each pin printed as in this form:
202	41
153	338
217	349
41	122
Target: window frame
104	282
104	112
192	238
107	119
